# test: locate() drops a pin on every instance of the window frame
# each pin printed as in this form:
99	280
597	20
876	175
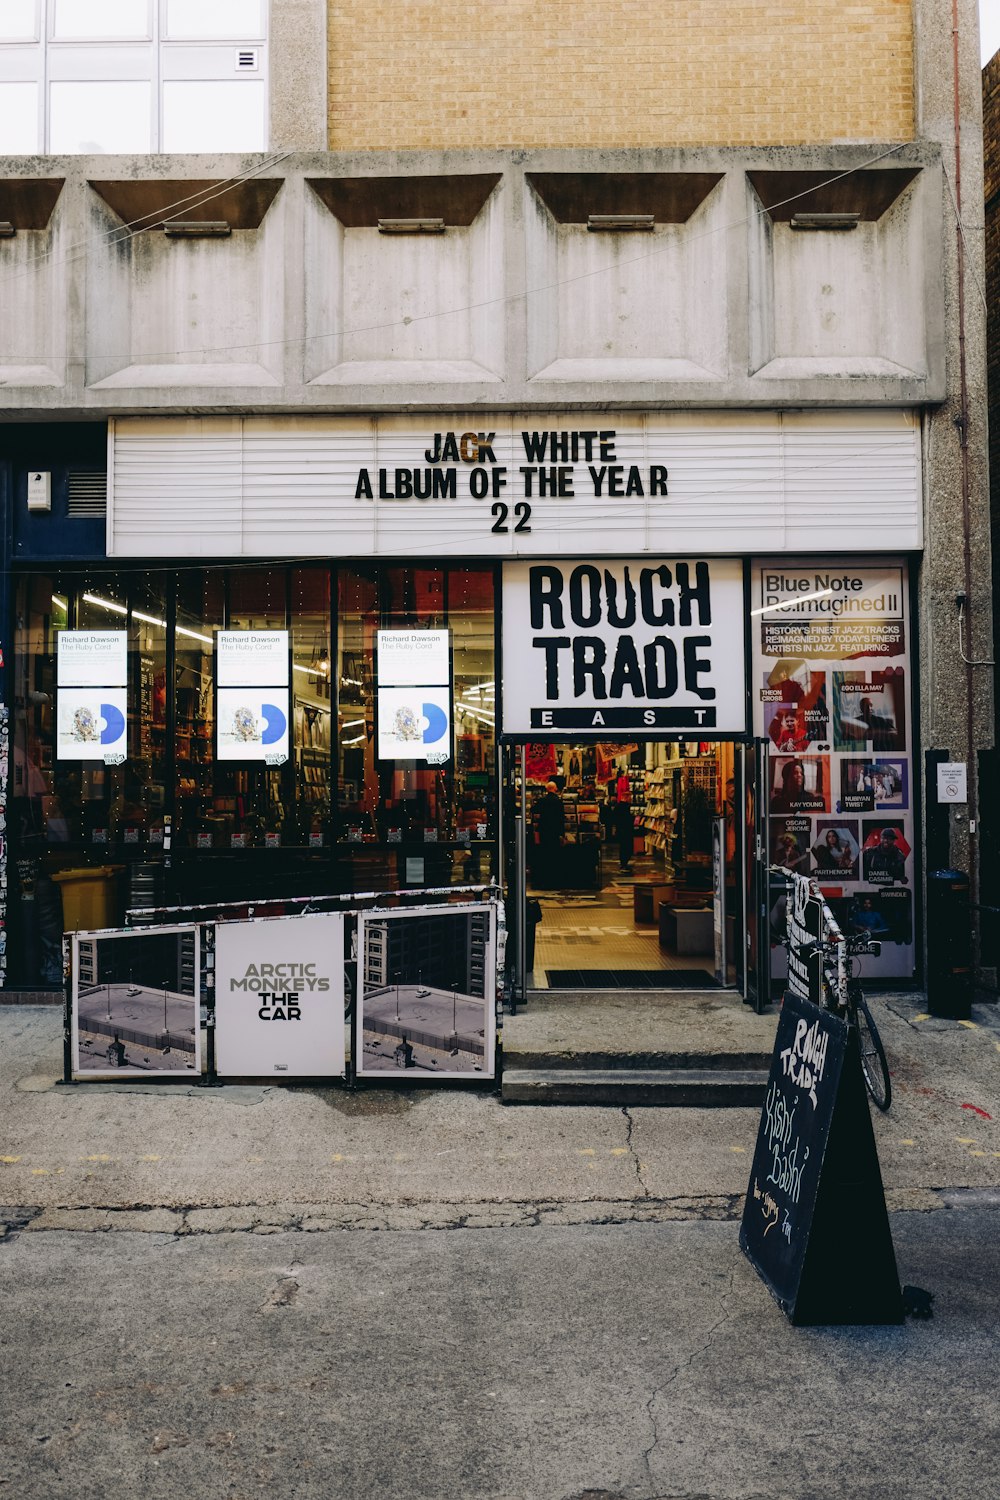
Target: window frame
156	59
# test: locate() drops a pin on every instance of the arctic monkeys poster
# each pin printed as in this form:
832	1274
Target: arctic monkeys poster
648	646
279	997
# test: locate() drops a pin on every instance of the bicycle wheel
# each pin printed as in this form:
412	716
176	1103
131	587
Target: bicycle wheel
873	1063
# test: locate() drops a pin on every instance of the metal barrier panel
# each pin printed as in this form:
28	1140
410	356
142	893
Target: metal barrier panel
142	989
427	992
279	997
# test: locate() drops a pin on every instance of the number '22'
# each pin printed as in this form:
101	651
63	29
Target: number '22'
501	511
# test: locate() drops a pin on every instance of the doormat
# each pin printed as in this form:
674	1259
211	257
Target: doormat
630	979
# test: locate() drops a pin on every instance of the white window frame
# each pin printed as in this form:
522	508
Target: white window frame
155	59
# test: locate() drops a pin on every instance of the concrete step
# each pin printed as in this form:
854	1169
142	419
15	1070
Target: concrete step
636	1058
678	1087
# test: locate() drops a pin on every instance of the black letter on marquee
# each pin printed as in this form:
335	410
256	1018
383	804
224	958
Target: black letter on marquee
552	645
695	665
653	616
592	615
364	486
626	669
543	597
701	591
663	646
589	654
624	619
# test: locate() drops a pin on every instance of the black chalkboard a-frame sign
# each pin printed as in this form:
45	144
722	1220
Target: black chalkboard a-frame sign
815	1223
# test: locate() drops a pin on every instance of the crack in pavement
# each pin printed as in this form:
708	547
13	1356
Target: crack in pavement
629	1128
177	1222
685	1364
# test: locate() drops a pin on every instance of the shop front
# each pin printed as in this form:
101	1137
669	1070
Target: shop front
614	669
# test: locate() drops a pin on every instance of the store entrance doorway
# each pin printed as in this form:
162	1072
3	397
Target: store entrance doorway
630	865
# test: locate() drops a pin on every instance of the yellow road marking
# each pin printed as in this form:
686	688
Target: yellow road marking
925	1016
740	1150
255	1160
337	1157
586	1151
39	1171
10	1160
150	1158
619	1151
907	1143
977	1153
969	1025
966	1140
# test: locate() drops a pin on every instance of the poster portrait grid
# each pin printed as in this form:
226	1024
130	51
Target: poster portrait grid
832	694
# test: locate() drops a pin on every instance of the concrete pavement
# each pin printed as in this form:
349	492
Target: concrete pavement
408	1156
627	1362
196	1300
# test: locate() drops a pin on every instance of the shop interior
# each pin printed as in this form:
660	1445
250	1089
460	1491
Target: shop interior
619	844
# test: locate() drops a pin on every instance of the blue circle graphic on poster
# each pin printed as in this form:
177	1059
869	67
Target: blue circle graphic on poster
437	723
274	721
114	724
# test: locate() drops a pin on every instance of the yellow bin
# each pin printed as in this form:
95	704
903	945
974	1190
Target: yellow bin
88	897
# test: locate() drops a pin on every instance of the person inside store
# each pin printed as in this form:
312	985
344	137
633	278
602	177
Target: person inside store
551	836
624	822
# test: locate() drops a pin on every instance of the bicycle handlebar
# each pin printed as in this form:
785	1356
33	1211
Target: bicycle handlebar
856	947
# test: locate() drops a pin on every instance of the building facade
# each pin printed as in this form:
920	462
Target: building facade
624	370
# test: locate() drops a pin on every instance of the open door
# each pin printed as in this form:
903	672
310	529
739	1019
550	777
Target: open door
757	971
515	875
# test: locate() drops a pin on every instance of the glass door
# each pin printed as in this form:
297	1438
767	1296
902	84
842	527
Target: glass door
757	971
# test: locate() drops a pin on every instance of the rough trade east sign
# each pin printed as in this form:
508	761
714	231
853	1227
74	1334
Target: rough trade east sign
651	646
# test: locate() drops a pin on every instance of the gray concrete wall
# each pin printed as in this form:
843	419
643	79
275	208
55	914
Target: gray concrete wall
298	75
956	700
306	306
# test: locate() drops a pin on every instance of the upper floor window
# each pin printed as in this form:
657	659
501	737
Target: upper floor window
128	76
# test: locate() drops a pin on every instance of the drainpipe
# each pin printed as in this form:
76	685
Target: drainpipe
962	423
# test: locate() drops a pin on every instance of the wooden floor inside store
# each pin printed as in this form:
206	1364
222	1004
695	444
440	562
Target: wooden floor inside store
591	931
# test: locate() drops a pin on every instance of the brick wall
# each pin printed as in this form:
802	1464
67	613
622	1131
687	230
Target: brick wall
410	74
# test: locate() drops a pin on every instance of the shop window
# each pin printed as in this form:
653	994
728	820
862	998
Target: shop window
202	812
431	821
145	770
311	702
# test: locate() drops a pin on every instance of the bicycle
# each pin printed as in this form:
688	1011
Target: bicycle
853	1004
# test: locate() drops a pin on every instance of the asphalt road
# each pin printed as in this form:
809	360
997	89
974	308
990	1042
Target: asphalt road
418	1292
532	1363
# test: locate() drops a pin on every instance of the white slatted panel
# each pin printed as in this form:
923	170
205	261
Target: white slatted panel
726	491
745	482
299	479
177	488
852	478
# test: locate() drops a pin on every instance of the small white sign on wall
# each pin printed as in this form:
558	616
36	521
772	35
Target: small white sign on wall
953	781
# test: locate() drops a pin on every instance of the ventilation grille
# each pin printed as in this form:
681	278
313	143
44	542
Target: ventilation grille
87	495
248	59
